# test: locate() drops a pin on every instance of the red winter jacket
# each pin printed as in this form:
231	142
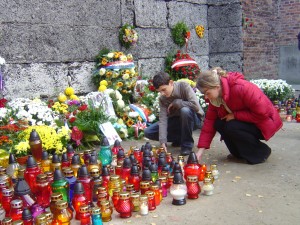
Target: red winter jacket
247	102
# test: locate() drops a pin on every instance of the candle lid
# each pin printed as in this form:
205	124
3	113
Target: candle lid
78	188
48	215
144	184
104	203
129	187
6	221
114	177
26	214
84	208
41	218
45	155
61	204
12	158
192	178
95	172
105	142
124	195
96	210
17	203
149	193
7	192
70	148
31	162
143	197
64	157
18	222
135	196
41	178
34	136
56	196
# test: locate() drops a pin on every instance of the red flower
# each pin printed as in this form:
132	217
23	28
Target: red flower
188	35
151	88
82	107
72	120
3	102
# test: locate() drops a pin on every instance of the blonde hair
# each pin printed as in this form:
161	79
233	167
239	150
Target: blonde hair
210	78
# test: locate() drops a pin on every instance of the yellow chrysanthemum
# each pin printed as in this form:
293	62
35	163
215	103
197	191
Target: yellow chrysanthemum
104	61
62	97
120	84
74	97
102	88
69	91
103	82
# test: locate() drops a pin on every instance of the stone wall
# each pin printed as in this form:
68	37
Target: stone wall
44	41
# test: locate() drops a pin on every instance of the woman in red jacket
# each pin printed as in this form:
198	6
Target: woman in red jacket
240	112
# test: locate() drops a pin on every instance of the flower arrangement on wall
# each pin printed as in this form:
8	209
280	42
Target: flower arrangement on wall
180	34
118	70
200	31
128	36
181	65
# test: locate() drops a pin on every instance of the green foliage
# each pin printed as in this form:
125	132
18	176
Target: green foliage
90	119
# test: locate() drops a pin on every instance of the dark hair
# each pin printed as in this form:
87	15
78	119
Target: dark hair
160	79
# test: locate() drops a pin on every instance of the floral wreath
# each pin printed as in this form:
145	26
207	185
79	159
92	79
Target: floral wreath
128	36
180	34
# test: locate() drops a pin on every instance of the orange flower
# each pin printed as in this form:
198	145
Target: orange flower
129	123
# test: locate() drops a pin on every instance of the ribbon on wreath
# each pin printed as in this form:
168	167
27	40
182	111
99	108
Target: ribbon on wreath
138	126
117	65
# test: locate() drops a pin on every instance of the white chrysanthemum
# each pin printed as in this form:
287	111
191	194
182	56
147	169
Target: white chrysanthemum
118	95
110	55
133	114
3	112
121	103
102	71
125	76
151	118
123	58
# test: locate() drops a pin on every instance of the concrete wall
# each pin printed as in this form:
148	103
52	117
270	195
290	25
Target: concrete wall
44	41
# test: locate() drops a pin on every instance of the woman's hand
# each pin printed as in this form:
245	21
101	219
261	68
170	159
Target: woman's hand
228	117
199	153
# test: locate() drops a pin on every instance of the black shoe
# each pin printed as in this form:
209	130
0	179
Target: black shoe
176	144
185	151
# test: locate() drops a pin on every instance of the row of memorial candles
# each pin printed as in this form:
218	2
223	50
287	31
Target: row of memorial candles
289	110
92	185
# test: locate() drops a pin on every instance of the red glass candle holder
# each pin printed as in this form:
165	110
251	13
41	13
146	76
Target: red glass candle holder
193	187
151	200
124	206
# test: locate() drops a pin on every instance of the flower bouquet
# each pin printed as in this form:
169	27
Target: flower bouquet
181	65
128	36
275	89
117	70
53	140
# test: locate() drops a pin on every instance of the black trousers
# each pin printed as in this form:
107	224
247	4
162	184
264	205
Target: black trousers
243	140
